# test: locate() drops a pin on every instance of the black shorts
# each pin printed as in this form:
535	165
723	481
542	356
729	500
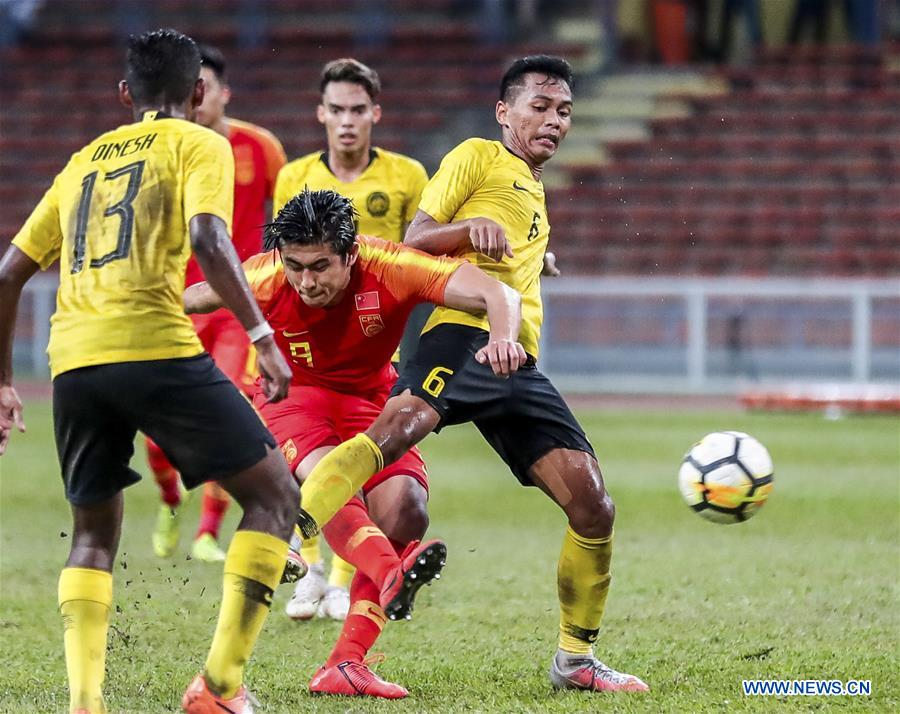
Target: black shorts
188	406
522	417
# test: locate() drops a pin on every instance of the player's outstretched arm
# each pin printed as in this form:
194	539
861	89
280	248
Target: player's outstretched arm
472	290
200	298
484	235
15	270
216	255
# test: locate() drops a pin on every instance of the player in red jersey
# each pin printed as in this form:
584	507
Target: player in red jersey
258	157
338	304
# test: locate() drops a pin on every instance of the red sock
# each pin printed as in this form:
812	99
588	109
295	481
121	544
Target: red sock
165	474
215	503
354	537
363	624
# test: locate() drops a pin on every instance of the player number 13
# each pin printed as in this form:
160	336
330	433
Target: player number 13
122	208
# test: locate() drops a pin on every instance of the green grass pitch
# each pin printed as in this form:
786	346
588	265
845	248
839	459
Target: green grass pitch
808	589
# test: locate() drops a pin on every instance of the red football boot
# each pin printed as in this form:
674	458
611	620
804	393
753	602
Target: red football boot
354	679
419	565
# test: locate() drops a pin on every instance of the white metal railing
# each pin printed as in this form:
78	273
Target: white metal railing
711	356
666	334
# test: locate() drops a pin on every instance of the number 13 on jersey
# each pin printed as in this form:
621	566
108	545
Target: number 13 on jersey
123	208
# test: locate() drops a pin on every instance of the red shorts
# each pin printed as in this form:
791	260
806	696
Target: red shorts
312	417
227	343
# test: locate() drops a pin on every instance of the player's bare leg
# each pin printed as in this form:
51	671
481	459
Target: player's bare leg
573	480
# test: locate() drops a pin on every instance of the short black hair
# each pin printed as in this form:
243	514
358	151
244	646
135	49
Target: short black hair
514	79
348	69
213	58
161	66
314	218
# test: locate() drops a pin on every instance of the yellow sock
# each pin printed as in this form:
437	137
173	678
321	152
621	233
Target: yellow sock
85	597
334	480
311	550
583	581
253	569
341	573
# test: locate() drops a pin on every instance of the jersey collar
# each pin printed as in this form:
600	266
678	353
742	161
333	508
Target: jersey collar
520	159
153	115
373	154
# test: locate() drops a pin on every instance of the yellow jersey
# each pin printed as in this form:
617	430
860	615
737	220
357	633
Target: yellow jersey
386	194
483	179
117	219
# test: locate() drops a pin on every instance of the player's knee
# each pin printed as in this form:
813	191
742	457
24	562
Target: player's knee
286	503
606	513
412	522
593	519
403	516
592	513
268	495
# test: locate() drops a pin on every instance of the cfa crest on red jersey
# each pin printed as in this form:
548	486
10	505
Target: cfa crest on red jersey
367	301
371	324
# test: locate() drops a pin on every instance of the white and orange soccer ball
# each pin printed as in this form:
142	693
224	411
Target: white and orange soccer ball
726	477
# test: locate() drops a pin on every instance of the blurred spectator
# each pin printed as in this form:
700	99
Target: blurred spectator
16	20
372	24
670	30
133	18
860	16
608	16
809	13
252	24
892	21
752	22
501	21
740	363
864	21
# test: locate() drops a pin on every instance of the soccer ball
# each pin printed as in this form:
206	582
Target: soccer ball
726	477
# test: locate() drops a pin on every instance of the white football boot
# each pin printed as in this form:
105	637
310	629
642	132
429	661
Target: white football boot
308	594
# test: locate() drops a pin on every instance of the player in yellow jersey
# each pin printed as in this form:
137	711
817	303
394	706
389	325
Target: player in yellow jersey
385	188
124	357
486	204
257	158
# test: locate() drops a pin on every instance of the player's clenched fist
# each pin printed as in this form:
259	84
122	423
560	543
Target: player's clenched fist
276	374
488	238
505	356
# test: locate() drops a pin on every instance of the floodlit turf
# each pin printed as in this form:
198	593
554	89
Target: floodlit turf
806	590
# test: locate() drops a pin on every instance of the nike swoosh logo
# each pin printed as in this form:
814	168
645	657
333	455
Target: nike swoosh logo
519	188
295	334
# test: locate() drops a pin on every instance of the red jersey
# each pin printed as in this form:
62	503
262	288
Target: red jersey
348	347
258	157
